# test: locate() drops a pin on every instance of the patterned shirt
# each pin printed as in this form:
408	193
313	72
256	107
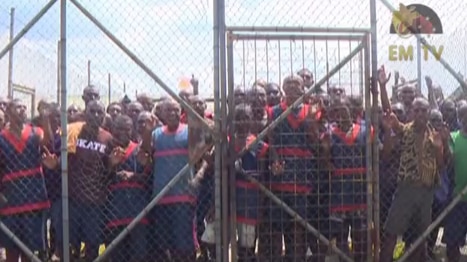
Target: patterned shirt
418	166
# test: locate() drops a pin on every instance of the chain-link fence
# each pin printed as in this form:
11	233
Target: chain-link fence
294	156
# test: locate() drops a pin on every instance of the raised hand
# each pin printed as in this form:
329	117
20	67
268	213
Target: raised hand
383	79
49	160
125	175
116	156
389	121
143	157
429	82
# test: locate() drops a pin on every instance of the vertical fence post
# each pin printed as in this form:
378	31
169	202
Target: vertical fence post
64	122
375	160
231	149
369	148
109	89
89	72
58	71
218	151
10	54
419	65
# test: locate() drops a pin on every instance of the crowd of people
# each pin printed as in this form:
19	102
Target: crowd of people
123	155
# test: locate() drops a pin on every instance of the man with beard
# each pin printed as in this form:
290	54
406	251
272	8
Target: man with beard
91	157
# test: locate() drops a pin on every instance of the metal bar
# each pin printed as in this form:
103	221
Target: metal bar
231	148
146	210
89	72
58	71
297	217
218	121
143	66
368	148
64	122
433	225
24	89
33	105
419	65
27	27
223	104
21	246
299	101
295	37
427	46
299	29
109	83
375	160
10	54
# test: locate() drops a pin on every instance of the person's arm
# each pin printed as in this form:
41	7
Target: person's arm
431	93
46	136
383	79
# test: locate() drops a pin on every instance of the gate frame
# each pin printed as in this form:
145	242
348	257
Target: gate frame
235	33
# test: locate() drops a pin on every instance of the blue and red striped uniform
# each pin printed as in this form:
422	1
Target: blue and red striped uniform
348	190
247	193
23	185
127	197
290	140
23	181
170	156
175	213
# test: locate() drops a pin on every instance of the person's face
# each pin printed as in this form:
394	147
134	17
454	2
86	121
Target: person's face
54	118
134	109
121	131
273	95
144	120
242	123
335	92
3	104
239	95
292	91
95	114
258	97
307	79
340	114
407	95
114	110
462	115
147	103
171	113
420	112
90	94
198	105
398	110
448	109
436	120
18	111
71	111
2	120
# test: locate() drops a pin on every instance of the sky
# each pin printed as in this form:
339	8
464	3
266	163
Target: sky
174	39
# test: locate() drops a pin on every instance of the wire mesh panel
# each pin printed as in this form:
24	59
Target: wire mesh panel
137	180
286	108
27	60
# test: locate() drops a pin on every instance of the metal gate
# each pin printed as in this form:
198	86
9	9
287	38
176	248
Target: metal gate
339	58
